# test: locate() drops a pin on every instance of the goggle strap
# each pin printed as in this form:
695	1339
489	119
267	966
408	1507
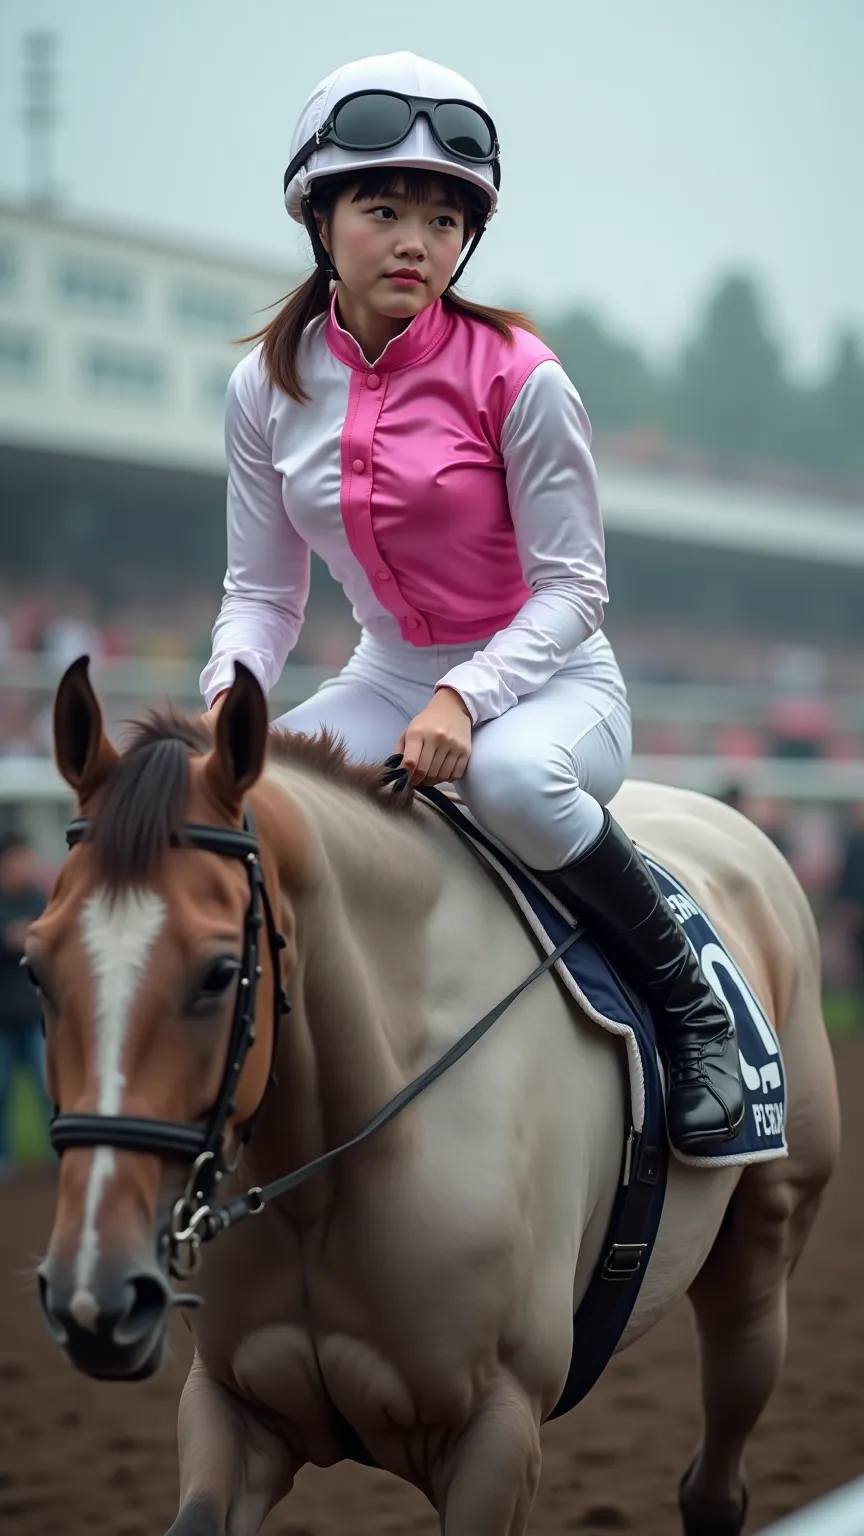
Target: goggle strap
299	160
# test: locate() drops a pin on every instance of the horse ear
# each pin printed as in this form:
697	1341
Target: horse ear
240	748
82	751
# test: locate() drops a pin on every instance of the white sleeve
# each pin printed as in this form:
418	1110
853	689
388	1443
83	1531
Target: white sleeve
554	504
267	580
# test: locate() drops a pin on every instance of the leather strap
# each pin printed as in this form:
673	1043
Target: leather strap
129	1133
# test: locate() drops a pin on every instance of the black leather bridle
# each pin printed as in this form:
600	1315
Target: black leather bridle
194	1220
201	1145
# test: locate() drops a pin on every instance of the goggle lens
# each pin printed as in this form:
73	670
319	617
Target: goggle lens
372	122
463	130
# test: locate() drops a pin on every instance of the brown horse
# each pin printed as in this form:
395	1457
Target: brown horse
421	1287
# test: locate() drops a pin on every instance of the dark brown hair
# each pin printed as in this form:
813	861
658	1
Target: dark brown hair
283	335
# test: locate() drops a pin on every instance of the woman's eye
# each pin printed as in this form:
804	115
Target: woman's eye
387	213
446	221
217	979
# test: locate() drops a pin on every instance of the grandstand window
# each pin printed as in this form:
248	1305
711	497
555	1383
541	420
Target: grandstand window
8	268
101	286
214	311
19	354
124	373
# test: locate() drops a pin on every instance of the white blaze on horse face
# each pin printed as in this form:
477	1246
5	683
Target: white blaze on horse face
118	934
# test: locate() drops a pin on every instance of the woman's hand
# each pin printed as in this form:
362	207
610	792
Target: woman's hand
436	746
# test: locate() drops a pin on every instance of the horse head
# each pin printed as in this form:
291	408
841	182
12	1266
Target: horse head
161	995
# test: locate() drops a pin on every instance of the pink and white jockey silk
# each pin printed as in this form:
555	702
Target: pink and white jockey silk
449	488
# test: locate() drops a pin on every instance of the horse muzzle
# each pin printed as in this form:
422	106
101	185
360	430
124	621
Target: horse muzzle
114	1328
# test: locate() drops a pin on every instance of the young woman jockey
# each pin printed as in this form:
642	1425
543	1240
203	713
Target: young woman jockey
436	456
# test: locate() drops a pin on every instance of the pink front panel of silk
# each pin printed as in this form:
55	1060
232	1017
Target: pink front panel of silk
424	496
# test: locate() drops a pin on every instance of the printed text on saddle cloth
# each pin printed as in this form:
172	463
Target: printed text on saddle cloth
761	1061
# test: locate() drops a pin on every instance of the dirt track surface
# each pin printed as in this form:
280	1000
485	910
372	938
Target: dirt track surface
77	1457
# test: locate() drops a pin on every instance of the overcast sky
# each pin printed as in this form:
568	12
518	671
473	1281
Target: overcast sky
647	144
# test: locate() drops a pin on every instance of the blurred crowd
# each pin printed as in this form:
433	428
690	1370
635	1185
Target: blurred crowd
22	898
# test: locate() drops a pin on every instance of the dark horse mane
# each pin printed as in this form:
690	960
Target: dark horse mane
142	807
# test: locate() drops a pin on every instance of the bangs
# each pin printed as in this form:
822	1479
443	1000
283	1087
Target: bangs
415	186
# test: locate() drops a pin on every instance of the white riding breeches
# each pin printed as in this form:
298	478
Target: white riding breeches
538	775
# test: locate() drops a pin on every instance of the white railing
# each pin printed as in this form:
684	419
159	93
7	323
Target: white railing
137	678
840	1514
35	779
812	779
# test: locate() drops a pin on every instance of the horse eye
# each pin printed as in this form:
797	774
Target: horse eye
31	976
218	978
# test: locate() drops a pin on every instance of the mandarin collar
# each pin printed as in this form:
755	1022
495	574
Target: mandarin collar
417	340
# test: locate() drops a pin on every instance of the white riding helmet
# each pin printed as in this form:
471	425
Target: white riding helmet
405	74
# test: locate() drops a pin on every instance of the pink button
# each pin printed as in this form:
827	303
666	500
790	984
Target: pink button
358	466
413	623
384	576
373	381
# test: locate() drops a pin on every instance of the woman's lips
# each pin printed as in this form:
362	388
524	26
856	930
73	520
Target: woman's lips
404	279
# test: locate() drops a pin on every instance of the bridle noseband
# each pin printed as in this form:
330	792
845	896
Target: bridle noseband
203	1146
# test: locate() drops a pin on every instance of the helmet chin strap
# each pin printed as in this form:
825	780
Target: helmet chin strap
321	257
325	262
478	236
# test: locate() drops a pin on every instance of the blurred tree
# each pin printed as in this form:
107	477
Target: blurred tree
825	428
612	377
839	411
730	396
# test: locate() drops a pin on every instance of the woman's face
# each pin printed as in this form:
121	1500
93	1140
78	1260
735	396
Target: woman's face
393	255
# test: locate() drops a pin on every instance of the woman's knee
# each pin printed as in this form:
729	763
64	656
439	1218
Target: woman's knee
534	805
500	785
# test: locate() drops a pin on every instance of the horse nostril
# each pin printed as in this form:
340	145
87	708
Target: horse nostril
146	1299
55	1326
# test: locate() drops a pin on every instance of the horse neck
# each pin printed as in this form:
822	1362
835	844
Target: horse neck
357	1023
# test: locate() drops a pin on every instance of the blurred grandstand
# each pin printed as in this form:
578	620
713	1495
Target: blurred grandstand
736	609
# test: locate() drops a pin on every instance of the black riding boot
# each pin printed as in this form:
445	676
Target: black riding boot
637	928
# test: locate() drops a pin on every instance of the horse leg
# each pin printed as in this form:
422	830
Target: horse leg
739	1297
233	1467
486	1481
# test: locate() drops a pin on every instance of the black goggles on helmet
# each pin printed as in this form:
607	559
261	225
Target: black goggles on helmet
382	119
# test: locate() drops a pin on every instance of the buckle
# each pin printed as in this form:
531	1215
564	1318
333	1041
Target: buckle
623	1261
